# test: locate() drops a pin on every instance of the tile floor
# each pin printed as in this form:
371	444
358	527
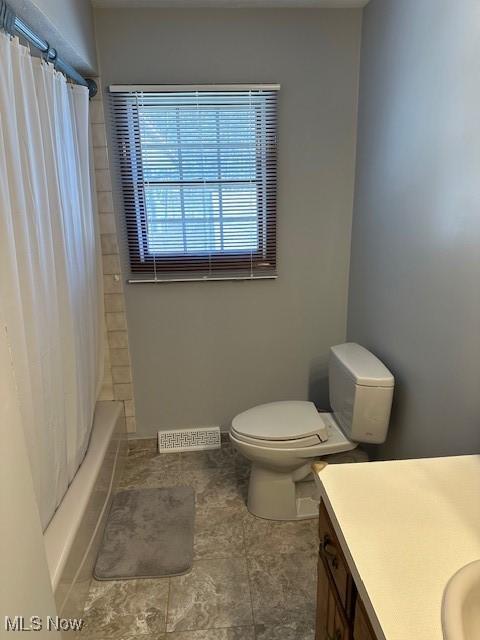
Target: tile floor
252	579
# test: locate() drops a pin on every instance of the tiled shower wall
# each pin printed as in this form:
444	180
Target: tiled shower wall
117	382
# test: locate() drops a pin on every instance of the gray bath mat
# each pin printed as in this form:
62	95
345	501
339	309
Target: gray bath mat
149	534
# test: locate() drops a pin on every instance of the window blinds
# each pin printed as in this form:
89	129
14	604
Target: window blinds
198	176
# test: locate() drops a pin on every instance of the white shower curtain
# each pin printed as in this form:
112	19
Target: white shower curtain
50	276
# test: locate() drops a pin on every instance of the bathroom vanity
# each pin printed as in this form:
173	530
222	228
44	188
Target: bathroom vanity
340	612
391	535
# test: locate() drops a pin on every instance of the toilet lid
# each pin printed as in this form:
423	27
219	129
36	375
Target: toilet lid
287	420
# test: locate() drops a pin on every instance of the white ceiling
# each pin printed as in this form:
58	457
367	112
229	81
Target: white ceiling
326	4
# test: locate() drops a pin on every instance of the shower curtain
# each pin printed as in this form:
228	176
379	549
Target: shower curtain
50	276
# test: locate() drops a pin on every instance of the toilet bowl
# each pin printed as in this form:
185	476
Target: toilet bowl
278	465
283	439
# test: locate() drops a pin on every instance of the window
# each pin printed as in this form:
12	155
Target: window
198	175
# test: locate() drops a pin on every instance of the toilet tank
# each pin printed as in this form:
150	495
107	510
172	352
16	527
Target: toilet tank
361	391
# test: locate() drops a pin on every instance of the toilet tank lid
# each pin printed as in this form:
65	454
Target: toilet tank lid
286	420
365	368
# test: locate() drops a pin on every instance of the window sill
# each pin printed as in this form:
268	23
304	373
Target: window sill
202	279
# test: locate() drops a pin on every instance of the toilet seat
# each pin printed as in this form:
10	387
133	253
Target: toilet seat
298	443
310	446
292	424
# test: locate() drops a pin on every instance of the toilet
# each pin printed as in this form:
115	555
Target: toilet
283	439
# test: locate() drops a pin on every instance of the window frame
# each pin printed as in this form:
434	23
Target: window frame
260	263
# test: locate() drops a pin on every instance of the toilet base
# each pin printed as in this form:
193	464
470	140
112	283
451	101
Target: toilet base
282	496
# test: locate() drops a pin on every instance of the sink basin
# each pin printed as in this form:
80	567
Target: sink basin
461	604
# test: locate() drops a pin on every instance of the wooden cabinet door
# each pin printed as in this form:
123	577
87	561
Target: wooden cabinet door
323	588
337	565
331	623
362	628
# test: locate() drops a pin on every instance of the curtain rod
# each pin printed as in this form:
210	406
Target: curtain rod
15	26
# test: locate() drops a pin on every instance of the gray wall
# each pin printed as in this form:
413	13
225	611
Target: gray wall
203	352
415	265
67	25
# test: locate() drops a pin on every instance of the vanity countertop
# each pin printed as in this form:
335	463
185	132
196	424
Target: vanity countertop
405	527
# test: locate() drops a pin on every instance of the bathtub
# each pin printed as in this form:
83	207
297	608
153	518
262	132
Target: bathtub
73	536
